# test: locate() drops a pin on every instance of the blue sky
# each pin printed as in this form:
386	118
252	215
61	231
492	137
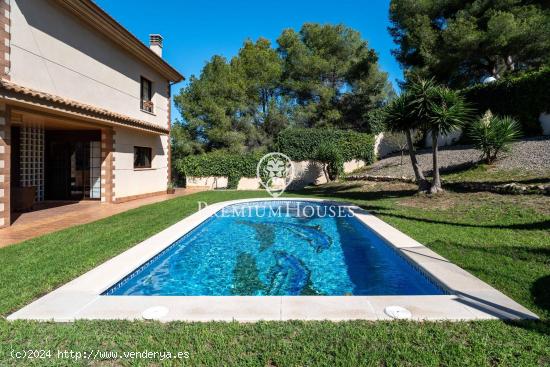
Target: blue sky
195	30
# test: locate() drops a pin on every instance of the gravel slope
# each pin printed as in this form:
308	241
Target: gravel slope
529	154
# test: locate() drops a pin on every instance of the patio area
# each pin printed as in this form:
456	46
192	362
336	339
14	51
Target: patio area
51	216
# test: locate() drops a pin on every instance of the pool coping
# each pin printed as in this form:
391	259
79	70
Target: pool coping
469	298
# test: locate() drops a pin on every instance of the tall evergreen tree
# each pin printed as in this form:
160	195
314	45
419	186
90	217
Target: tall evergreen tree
324	75
213	105
460	42
332	75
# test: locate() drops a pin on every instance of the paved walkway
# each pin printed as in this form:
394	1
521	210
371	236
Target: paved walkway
56	215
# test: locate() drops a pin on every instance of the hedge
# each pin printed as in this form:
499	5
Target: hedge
523	97
303	144
297	144
220	163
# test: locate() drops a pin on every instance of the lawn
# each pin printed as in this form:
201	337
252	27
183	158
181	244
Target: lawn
487	173
504	240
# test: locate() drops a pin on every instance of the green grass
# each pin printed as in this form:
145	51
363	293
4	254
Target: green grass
486	173
504	240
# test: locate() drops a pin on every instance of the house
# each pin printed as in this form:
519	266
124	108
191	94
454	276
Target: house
84	107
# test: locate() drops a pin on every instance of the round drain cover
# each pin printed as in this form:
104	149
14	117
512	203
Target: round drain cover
154	313
398	312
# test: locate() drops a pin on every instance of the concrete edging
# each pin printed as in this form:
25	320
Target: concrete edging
469	298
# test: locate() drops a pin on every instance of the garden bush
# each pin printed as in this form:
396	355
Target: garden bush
220	163
331	158
492	135
522	97
303	144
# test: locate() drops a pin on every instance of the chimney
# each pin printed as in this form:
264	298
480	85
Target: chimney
155	43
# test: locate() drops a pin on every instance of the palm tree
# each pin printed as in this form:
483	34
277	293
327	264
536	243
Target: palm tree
399	117
441	111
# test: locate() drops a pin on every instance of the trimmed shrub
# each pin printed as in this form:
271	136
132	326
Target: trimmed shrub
303	144
523	98
220	163
331	158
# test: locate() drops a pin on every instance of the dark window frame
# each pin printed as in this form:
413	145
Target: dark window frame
146	103
148	154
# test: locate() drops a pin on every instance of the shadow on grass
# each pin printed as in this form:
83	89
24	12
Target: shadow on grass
541	225
515	252
540	290
539	326
363	199
343	191
460	186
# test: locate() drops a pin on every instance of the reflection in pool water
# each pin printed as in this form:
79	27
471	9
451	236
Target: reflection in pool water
298	253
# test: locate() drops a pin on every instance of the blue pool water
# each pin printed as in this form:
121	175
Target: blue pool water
278	248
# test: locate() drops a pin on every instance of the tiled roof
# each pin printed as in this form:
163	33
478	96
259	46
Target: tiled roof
79	107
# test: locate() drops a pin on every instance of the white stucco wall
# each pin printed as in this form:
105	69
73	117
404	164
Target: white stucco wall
305	173
248	183
384	145
353	165
212	182
311	172
545	123
54	52
443	140
129	181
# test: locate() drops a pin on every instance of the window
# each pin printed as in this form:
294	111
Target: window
146	95
142	157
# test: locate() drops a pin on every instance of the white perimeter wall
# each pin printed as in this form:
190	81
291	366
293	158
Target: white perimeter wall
545	123
54	52
305	173
128	181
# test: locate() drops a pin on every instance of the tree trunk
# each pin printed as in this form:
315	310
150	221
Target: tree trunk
325	171
436	183
418	174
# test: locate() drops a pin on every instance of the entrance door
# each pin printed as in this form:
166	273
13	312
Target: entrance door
58	178
73	160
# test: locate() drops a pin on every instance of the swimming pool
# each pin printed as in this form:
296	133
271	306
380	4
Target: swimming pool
278	248
223	263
